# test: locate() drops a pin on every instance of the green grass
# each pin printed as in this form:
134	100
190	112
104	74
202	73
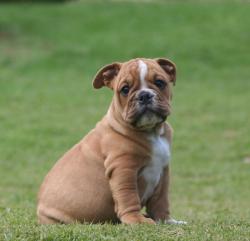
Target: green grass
48	56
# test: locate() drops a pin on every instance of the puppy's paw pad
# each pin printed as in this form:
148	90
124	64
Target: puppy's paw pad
176	222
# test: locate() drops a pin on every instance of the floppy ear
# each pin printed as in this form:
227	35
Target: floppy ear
169	67
106	75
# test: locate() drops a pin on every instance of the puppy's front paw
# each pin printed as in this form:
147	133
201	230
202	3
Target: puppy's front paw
135	218
173	221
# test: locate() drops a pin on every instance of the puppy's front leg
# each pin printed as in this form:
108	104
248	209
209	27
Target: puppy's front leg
123	183
157	206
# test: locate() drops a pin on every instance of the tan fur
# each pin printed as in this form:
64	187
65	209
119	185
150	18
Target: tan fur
98	179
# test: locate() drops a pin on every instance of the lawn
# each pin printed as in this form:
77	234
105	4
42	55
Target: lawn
49	54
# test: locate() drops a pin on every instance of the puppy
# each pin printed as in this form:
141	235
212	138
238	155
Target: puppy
122	164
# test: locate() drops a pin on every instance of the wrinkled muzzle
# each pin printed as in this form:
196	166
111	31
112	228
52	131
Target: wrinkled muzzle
146	109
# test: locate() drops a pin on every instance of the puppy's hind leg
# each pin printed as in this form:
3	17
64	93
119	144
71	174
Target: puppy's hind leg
52	216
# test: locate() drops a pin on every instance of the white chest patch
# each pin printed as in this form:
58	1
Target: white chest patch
152	172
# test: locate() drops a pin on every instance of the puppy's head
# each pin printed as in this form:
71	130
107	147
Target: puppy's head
142	90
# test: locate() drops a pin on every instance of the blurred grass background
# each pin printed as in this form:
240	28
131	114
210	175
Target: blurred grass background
49	54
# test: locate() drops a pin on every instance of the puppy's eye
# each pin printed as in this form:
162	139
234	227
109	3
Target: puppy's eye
124	91
160	84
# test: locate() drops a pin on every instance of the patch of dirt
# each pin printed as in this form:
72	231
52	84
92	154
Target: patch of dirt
246	160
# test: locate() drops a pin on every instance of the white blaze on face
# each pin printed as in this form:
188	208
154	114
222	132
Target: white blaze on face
143	70
150	119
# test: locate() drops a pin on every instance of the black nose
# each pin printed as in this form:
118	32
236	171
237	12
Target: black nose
145	97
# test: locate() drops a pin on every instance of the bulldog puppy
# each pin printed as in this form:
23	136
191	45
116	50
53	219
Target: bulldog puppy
121	165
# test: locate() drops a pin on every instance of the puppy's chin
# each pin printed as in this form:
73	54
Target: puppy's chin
148	118
148	121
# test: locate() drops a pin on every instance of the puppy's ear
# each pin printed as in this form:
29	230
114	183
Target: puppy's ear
106	75
169	67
